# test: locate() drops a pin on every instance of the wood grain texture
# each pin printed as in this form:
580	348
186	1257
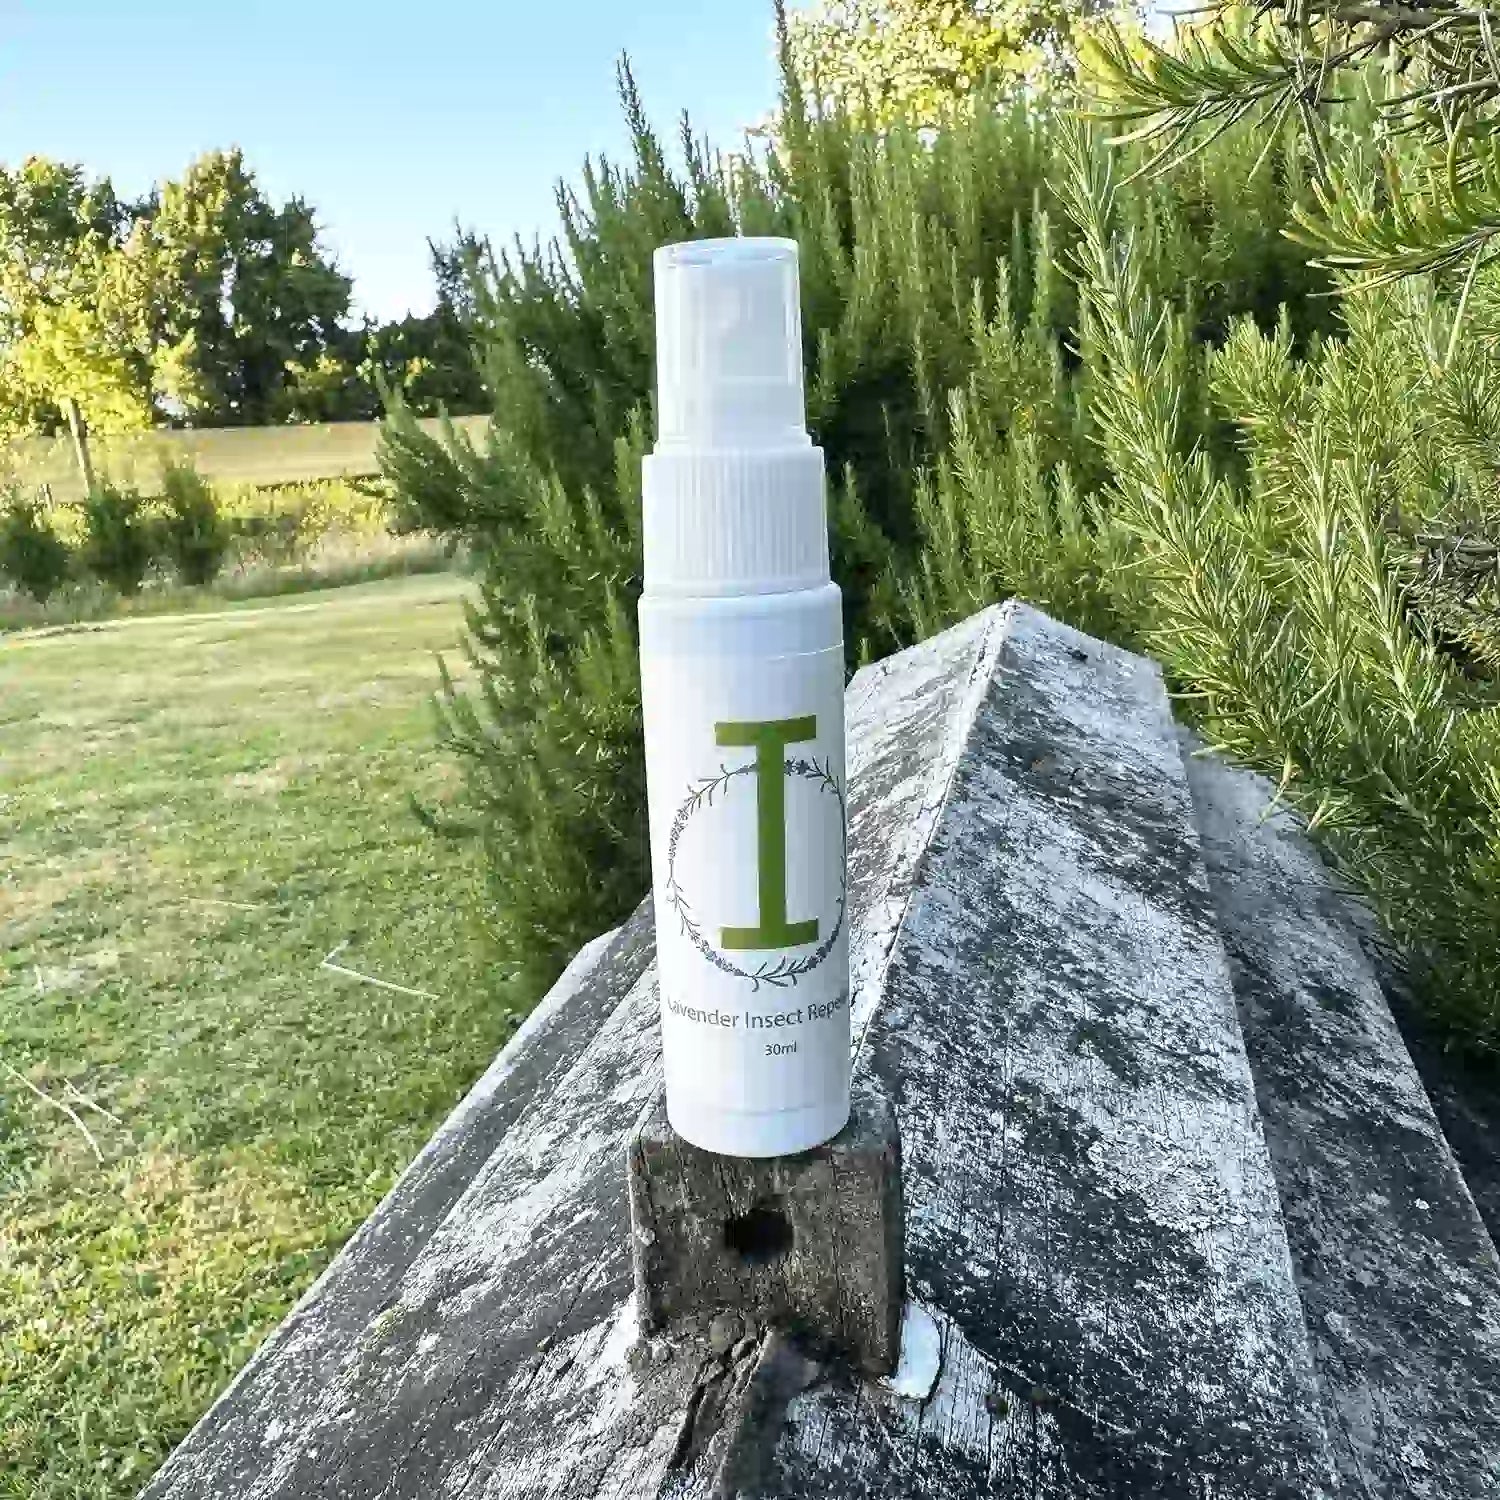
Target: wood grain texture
813	1241
478	1337
1091	1216
1397	1272
278	1391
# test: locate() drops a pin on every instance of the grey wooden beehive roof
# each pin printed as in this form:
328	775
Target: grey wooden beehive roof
1129	1292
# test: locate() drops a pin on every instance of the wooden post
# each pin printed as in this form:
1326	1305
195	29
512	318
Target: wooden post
724	1245
80	444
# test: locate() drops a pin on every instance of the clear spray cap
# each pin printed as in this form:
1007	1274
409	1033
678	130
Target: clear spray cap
729	346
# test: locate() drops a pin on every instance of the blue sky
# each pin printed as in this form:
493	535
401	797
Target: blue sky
389	119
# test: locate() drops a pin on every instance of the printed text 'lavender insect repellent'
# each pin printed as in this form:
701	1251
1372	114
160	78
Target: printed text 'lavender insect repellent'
742	674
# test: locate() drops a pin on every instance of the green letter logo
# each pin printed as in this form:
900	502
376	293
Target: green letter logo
770	740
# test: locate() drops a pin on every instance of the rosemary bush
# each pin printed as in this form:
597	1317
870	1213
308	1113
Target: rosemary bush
1134	404
1291	597
1426	195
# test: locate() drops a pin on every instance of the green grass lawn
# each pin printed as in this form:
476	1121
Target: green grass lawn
194	811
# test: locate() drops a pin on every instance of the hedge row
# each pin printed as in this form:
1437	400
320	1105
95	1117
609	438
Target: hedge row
122	536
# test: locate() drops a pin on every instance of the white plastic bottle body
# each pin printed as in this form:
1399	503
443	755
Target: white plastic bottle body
742	669
744	722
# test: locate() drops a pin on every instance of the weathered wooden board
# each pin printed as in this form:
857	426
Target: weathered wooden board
1464	1088
1105	1304
1397	1272
475	1339
278	1391
1092	1222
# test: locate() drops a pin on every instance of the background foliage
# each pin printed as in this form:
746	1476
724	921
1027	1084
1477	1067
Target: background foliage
117	537
932	289
203	304
1424	194
184	543
914	60
1136	404
194	534
32	555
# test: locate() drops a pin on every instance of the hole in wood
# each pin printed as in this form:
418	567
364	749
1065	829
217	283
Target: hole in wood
760	1236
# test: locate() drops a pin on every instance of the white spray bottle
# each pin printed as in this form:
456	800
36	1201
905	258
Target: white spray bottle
742	675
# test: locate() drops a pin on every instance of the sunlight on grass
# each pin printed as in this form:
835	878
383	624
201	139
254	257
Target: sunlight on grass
196	810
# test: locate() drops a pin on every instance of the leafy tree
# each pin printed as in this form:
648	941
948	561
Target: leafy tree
69	304
71	352
426	358
246	306
203	303
430	360
1423	194
456	267
912	59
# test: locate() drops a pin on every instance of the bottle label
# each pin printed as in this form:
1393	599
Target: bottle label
748	840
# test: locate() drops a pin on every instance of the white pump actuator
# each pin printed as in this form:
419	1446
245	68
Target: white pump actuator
734	489
728	346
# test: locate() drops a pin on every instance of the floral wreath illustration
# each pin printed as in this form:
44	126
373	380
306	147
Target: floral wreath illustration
785	971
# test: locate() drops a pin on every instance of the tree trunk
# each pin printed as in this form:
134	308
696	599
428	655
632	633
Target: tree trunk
81	444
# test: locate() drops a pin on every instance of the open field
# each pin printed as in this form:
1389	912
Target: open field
194	812
252	456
